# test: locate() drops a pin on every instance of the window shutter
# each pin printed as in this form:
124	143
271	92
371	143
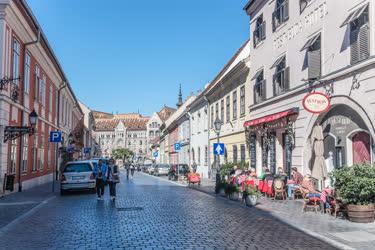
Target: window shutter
274	84
263	35
314	62
264	90
254	39
274	21
354	45
286	79
363	42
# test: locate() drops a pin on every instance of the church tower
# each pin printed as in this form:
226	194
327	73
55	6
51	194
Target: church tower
179	104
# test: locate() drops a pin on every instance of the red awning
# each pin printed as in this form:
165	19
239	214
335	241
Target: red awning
271	118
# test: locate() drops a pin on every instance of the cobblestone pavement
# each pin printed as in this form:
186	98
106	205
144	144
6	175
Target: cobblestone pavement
153	214
358	236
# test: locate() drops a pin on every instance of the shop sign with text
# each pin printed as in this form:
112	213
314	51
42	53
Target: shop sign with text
316	103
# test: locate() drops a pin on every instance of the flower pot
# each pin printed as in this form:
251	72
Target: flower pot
251	200
234	196
361	213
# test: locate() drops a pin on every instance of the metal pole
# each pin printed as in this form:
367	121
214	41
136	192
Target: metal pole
218	162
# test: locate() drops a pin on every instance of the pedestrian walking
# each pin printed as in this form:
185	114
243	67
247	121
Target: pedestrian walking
99	172
113	178
132	169
127	167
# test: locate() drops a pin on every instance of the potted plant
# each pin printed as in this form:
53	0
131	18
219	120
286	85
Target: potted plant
234	192
356	187
251	196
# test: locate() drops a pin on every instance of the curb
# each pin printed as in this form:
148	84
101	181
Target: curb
158	178
328	240
29	213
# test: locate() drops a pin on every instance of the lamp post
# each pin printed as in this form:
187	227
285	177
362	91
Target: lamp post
217	125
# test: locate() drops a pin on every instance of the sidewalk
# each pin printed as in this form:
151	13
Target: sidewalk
15	205
326	227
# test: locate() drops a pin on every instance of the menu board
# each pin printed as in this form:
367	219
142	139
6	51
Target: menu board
253	151
272	153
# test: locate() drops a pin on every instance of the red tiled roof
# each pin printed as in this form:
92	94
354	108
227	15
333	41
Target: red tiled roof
132	121
165	113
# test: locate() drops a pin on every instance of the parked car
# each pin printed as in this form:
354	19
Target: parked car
77	175
177	170
161	169
151	169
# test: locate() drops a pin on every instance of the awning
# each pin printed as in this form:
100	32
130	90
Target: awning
257	74
271	118
354	15
278	61
310	42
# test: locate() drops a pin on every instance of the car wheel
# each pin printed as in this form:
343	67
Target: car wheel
62	192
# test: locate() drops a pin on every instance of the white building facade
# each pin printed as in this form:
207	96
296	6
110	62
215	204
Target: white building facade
311	46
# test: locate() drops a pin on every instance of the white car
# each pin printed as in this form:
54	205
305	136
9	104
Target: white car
77	175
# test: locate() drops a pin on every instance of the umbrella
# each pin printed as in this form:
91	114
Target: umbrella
319	170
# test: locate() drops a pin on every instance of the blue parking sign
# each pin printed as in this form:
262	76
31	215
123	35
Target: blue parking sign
177	147
155	154
55	136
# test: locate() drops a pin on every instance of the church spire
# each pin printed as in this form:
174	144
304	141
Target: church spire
179	104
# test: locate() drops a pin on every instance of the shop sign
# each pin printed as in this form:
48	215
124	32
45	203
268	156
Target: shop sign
316	103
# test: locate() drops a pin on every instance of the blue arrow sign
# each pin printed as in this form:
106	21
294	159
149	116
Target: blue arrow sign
177	146
219	148
55	136
155	154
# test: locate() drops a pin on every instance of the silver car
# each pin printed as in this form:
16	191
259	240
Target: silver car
161	169
77	175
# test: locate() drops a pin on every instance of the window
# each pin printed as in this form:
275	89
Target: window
303	4
281	13
140	143
49	154
217	110
50	97
259	33
212	116
35	154
41	153
42	90
151	133
313	47
234	105
243	153
36	83
281	76
199	156
360	37
16	60
25	153
206	155
27	73
235	154
13	156
222	110
228	108
242	101
259	87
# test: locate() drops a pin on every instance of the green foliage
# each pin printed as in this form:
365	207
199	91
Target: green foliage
221	186
356	184
232	188
251	191
122	153
225	169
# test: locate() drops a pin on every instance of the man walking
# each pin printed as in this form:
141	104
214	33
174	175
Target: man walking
100	174
113	178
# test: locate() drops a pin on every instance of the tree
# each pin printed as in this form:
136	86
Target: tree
122	154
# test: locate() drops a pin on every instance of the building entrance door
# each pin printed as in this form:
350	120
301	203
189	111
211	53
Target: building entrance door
361	148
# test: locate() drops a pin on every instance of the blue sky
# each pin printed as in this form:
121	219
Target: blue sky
125	55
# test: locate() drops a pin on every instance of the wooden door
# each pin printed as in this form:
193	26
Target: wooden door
361	148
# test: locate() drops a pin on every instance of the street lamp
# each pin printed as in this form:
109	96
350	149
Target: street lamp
217	125
33	118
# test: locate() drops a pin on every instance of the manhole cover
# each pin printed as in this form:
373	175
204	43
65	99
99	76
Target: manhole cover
128	209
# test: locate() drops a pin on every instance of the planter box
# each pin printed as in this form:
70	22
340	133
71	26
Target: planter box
251	201
234	196
361	213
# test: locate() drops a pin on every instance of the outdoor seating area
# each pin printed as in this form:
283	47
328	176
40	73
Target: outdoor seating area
246	185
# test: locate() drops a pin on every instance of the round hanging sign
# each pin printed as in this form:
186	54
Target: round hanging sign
316	103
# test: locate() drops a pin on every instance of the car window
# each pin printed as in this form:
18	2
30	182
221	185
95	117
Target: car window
78	168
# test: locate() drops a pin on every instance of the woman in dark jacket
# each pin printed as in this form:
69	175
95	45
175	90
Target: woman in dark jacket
113	178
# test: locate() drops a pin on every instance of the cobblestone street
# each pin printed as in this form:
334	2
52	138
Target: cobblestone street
152	213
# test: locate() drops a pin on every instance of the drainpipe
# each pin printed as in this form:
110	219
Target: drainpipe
22	112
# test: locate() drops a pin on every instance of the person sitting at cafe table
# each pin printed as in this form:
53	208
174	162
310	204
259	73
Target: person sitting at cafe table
267	175
253	173
308	187
281	175
295	182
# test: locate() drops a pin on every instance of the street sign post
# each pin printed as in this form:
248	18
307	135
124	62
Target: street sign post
219	148
55	136
177	147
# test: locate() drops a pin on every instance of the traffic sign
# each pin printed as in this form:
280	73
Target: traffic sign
155	154
86	150
55	136
219	148
177	146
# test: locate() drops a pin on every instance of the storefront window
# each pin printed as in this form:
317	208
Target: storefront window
253	157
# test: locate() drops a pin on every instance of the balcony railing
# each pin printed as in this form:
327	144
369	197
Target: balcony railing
280	15
281	82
